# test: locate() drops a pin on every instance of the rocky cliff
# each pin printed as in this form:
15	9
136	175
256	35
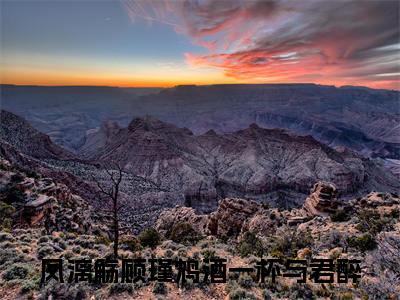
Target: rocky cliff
269	165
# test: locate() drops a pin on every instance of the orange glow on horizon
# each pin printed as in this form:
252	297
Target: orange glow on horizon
163	79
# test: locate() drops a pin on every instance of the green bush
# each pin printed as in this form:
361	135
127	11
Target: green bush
131	244
371	221
183	233
240	294
149	238
208	253
29	285
364	242
17	271
6	211
44	239
287	243
267	295
10	256
168	253
14	195
120	288
102	240
45	252
85	241
31	173
76	249
16	178
160	288
6	237
245	281
250	244
395	213
340	215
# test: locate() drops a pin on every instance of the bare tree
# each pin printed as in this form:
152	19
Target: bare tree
112	193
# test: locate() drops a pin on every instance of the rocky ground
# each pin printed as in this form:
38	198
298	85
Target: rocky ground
366	228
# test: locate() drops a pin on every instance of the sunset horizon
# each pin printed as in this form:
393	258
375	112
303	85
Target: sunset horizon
132	43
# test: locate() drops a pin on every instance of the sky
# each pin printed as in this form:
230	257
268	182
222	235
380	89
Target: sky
167	43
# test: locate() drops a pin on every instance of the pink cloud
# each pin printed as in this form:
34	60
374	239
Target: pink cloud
335	42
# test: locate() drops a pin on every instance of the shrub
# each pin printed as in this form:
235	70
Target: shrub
31	173
204	244
371	221
14	195
364	242
131	244
189	284
5	236
28	286
245	281
17	271
102	240
160	288
120	288
6	245
10	256
45	252
340	215
395	213
301	291
182	252
25	238
240	294
6	224
183	233
62	244
346	296
44	239
68	254
208	253
86	241
287	243
89	253
250	244
16	178
168	253
149	238
63	291
76	249
170	245
7	212
267	295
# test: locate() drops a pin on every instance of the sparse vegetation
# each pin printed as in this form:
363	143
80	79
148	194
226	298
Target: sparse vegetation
160	288
240	294
208	253
287	242
371	221
131	244
246	281
183	233
250	244
45	252
149	238
119	288
364	242
6	211
340	215
17	271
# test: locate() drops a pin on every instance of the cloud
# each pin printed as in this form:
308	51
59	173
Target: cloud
336	42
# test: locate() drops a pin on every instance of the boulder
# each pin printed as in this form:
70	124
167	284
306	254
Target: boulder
228	220
322	199
179	214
